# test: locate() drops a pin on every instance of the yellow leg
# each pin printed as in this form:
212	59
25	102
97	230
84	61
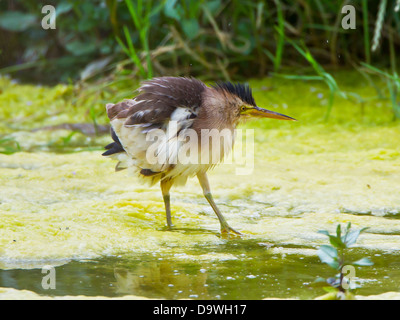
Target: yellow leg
225	228
165	187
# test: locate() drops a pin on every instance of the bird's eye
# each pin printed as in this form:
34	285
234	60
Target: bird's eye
243	108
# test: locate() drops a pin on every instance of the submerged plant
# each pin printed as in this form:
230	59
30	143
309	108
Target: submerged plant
339	286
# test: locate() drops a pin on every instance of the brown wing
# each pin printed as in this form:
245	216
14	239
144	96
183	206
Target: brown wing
157	99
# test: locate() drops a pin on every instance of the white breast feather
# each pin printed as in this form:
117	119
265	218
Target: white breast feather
134	141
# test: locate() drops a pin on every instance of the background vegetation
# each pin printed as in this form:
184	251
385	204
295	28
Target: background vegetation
101	49
232	39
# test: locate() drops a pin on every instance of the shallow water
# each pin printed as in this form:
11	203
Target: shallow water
104	231
251	272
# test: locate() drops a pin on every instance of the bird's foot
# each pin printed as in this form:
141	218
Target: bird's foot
227	230
168	227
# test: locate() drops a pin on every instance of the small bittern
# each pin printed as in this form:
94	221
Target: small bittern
177	106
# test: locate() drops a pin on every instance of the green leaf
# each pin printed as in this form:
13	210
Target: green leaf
78	48
325	232
338	231
328	255
63	7
190	27
170	10
213	6
351	237
335	241
67	139
9	146
16	20
363	262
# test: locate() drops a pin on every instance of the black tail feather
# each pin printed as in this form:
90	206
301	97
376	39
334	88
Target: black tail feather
113	147
148	172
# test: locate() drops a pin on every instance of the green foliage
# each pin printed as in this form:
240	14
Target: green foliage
17	21
281	37
329	255
9	145
334	256
367	48
82	34
322	75
213	39
392	81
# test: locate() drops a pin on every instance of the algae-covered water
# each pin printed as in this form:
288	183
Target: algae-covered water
104	232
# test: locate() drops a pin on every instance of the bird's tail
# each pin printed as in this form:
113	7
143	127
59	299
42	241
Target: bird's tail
113	147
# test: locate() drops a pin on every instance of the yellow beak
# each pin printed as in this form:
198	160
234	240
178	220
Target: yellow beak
259	112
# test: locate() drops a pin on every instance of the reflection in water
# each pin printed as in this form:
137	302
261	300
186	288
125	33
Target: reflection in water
253	272
161	279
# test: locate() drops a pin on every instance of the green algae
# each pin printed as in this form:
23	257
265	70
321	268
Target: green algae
59	208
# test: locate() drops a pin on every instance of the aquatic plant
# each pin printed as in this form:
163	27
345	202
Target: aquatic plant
339	286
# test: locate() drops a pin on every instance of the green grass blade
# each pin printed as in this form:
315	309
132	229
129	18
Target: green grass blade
145	44
130	51
135	15
366	32
281	37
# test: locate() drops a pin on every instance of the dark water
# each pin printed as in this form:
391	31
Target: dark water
256	273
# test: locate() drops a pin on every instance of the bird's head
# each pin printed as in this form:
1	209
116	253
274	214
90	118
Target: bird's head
241	102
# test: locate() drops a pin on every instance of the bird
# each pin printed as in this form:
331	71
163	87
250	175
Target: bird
169	113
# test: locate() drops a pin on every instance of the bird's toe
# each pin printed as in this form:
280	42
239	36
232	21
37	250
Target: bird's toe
227	230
